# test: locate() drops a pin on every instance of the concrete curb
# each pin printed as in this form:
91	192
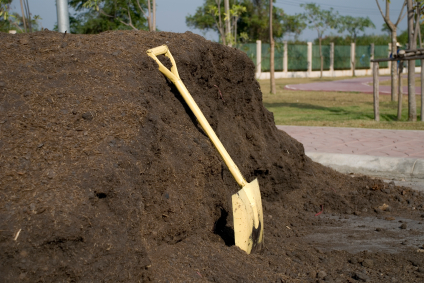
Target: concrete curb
388	167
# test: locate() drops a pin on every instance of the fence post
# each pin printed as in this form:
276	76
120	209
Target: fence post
285	58
371	55
309	57
332	59
258	58
375	91
352	58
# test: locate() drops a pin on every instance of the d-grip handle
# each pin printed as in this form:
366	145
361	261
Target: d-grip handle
175	78
163	50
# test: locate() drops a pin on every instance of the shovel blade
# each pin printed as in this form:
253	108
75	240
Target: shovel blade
248	218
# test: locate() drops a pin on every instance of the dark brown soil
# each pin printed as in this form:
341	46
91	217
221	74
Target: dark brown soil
106	176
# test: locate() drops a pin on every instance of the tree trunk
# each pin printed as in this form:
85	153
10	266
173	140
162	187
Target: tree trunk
412	105
320	55
271	41
154	15
149	18
28	15
235	31
227	22
354	57
422	90
422	71
23	17
219	24
376	91
394	67
399	113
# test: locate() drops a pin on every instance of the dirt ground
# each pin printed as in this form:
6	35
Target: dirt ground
106	176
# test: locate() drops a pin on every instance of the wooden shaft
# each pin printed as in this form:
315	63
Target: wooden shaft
175	78
211	134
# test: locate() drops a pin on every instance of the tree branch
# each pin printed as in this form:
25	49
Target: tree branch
122	22
129	17
385	18
381	11
400	14
104	14
145	14
130	25
417	24
139	6
16	25
218	3
404	15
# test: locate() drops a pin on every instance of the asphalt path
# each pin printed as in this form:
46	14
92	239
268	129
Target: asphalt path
363	85
394	155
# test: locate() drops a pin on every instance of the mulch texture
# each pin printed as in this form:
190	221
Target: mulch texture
106	176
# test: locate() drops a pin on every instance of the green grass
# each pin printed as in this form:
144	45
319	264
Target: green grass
333	109
404	81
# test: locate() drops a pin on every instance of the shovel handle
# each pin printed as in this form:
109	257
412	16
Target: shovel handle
175	78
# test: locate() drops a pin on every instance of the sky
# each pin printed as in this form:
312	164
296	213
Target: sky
170	14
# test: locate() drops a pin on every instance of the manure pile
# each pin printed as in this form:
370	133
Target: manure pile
106	176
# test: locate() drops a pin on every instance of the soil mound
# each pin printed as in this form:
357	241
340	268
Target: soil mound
107	176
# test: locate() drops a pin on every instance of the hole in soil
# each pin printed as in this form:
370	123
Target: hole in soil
101	195
221	229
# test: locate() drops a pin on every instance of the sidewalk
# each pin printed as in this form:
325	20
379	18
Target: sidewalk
384	153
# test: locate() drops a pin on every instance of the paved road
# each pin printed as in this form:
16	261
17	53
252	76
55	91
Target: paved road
373	142
391	154
363	85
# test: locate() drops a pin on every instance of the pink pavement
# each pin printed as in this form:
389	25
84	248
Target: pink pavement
373	142
363	85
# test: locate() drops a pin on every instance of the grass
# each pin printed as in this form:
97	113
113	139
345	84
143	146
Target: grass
333	109
404	81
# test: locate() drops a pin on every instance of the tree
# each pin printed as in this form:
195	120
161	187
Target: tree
15	21
271	40
250	20
293	24
354	25
211	15
365	39
6	18
320	20
255	22
419	31
412	43
100	15
393	27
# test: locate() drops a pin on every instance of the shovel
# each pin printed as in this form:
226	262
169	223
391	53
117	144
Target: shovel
247	203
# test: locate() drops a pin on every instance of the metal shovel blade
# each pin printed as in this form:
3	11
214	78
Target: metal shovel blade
248	218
